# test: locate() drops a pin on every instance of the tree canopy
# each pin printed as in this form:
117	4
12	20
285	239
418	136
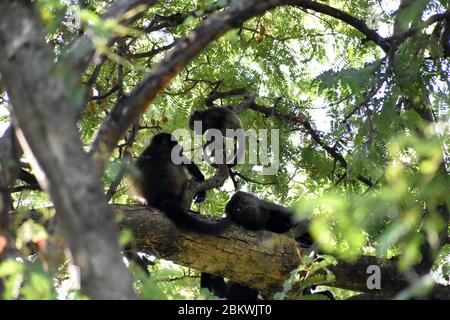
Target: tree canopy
358	91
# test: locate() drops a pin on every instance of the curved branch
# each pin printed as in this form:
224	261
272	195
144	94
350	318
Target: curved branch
131	107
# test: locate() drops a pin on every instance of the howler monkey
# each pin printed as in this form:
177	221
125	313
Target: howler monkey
230	290
252	213
220	118
162	185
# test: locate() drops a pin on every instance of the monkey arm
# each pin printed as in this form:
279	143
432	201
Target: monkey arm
198	175
195	172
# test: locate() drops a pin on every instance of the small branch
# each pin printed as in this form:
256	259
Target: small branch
303	122
215	95
115	184
216	181
247	179
373	91
82	50
150	53
400	38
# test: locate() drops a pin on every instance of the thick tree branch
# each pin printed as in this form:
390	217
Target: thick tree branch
46	129
131	107
260	259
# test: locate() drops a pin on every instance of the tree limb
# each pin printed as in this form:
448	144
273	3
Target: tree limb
260	259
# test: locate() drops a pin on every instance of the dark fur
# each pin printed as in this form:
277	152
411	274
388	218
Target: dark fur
236	291
220	118
163	182
229	290
215	284
252	213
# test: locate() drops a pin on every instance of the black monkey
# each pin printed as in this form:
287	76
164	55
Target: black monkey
215	284
163	182
236	291
230	290
220	118
252	213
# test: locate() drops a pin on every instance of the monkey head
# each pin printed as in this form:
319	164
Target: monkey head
196	116
164	139
244	209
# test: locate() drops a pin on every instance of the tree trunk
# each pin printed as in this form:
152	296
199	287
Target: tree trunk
44	107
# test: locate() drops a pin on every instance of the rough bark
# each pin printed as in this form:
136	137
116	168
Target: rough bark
261	259
155	234
43	108
131	107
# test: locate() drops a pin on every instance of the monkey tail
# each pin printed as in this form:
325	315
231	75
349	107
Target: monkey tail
183	220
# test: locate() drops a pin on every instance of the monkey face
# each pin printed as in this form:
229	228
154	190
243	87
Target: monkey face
244	210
